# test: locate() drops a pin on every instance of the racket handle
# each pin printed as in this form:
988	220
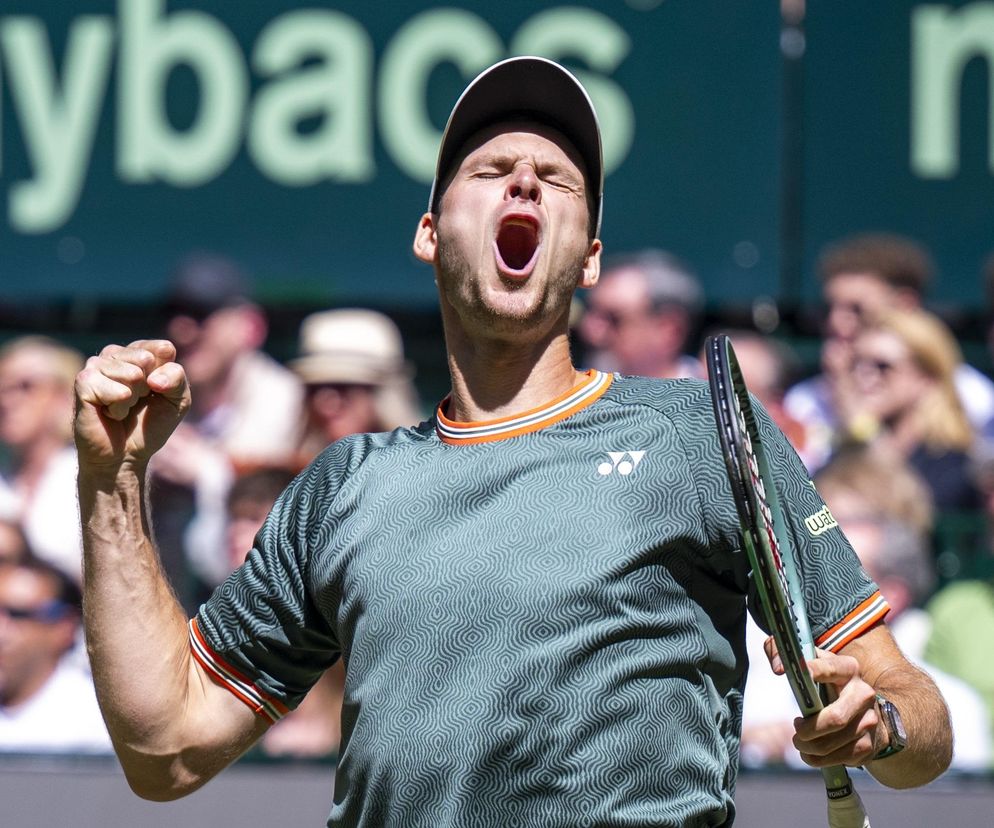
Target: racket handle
845	808
847	812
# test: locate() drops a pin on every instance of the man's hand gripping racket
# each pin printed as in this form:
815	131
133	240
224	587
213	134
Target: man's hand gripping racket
771	557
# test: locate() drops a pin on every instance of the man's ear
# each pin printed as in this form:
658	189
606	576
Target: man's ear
425	240
591	265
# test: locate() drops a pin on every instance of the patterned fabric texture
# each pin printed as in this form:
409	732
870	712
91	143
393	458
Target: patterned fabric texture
543	630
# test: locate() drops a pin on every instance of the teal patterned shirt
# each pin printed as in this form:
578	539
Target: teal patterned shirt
542	618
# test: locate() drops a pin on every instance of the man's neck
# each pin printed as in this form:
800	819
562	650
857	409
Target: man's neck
494	379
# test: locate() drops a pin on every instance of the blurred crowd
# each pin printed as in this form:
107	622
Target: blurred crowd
894	425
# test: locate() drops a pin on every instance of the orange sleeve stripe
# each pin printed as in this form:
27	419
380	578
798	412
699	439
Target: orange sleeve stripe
241	687
867	614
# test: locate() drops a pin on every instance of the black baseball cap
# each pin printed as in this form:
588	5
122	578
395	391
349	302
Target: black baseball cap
525	88
203	283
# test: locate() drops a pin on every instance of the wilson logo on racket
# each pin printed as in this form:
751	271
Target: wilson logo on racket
820	522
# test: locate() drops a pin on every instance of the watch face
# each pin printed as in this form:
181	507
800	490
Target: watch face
898	735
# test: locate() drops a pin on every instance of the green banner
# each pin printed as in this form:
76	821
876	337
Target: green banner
300	139
898	132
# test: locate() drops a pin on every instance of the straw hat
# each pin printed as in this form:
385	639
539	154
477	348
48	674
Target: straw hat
360	347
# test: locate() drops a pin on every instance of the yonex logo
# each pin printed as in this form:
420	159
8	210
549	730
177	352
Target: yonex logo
622	462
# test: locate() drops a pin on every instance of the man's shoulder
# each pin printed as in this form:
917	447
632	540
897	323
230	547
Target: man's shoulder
669	397
349	453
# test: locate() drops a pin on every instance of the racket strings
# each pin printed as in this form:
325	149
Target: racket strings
760	519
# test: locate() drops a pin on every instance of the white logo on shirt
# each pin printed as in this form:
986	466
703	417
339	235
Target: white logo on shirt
820	522
622	462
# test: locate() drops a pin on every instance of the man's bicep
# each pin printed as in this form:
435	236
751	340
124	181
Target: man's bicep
221	725
232	719
212	729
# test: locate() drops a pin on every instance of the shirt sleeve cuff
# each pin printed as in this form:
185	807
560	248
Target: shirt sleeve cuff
869	612
231	680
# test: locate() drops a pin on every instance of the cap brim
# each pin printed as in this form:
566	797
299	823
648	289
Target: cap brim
525	87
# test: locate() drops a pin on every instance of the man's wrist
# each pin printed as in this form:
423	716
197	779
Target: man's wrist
896	738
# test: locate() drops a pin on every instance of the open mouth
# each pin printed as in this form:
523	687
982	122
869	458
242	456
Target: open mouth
516	246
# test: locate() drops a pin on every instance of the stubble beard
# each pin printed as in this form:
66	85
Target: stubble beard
518	310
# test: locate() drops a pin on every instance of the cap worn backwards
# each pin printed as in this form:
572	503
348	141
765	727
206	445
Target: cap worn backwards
525	88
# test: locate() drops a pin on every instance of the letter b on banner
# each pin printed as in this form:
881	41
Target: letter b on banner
152	45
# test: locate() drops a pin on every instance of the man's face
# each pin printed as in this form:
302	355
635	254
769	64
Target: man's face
209	346
33	402
340	409
34	633
244	520
13	546
511	237
852	300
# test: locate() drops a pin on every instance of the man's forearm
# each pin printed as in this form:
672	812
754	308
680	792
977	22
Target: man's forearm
173	728
135	629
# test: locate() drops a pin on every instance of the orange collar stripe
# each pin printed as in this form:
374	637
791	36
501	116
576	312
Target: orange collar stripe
576	399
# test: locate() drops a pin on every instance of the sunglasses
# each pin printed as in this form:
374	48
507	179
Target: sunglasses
47	613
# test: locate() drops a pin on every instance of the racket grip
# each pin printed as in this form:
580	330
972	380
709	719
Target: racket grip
847	812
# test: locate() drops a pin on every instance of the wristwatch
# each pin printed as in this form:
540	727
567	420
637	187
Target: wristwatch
898	737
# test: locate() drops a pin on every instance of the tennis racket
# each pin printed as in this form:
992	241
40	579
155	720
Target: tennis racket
771	558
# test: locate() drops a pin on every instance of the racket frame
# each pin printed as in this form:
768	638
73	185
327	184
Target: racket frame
764	532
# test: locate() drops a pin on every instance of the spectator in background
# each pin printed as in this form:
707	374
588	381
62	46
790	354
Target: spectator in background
962	612
641	316
351	363
352	367
870	493
860	478
313	729
883	507
249	500
900	397
862	276
247	407
987	428
46	703
13	543
37	458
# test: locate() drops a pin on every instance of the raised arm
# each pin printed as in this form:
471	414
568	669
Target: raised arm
173	728
850	731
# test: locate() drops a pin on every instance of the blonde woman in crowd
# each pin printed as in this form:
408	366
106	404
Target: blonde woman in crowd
900	397
37	458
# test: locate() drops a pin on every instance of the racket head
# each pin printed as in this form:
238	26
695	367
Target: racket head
761	520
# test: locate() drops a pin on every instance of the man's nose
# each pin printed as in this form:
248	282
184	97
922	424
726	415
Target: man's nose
524	184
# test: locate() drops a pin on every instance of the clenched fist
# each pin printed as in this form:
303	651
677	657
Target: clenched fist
129	399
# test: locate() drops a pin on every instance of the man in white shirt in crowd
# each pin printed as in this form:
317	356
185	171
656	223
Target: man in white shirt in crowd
47	703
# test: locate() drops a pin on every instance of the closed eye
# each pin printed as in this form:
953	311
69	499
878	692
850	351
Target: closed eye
559	178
